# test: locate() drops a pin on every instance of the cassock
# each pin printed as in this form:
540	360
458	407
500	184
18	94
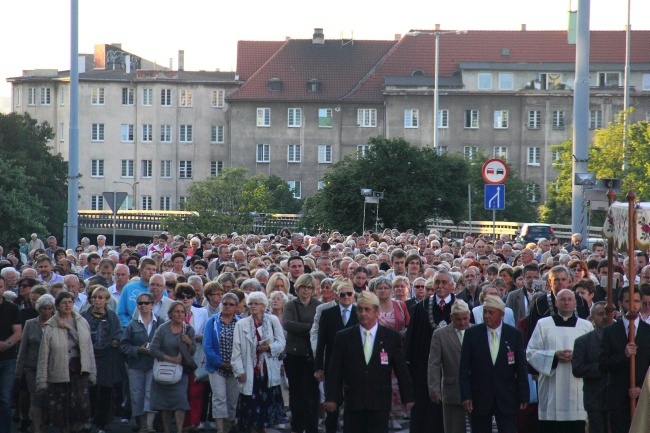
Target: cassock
560	392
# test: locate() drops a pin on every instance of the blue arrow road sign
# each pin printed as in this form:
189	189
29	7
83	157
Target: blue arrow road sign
495	197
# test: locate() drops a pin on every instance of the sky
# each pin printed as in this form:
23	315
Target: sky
35	34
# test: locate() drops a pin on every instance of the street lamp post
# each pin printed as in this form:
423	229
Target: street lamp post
132	185
435	76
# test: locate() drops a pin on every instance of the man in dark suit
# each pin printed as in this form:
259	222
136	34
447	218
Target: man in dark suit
492	373
585	364
433	312
364	357
519	300
332	320
419	293
614	360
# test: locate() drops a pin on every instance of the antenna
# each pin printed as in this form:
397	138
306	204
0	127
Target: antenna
350	41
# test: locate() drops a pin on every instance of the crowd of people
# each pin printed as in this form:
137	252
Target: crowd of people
239	333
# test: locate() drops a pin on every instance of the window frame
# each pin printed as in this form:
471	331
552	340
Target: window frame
146	168
166	131
185	134
470	152
595	119
321	119
217	134
97	168
216	167
165	203
323	151
185	169
166	97
297	185
96	202
146	202
367	117
294	153
97	96
294	117
146	131
501	119
266	153
484	75
97	132
473	120
499	151
217	98
263	117
559	120
533	159
45	95
128	96
443	119
147	101
166	168
534	119
185	98
411	118
501	82
127	169
127	133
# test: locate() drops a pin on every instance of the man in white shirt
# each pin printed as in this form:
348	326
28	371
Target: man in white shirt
120	279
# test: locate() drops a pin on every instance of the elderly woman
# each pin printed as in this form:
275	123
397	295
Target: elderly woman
213	293
106	333
197	318
135	343
66	365
30	345
401	288
257	343
393	314
217	345
278	282
251	285
297	320
278	301
166	346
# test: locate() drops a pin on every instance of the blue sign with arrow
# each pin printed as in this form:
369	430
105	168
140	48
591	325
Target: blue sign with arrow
495	197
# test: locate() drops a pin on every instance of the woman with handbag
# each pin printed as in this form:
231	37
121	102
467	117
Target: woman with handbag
135	346
196	317
297	320
66	365
217	345
172	344
257	342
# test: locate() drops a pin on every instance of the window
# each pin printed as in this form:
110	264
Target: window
185	99
185	134
62	98
532	192
367	117
46	96
216	98
145	202
96	202
295	187
61	132
484	81
500	152
182	202
548	81
534	156
534	119
275	85
185	169
263	153
146	168
147	133
471	119
128	96
324	153
215	167
362	150
97	132
595	119
165	169
165	133
558	120
97	97
646	82
127	168
506	81
263	117
165	203
443	119
411	118
294	118
97	168
609	79
324	117
501	119
216	134
31	96
19	96
127	204
165	97
556	154
470	152
320	185
147	97
127	135
443	149
313	85
293	153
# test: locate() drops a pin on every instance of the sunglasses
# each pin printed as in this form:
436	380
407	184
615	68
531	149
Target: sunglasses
418	287
24	285
345	294
554	245
145	302
183	297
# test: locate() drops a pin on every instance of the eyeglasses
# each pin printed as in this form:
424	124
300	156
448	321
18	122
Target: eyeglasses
228	304
24	285
418	287
346	294
145	302
554	245
79	251
183	297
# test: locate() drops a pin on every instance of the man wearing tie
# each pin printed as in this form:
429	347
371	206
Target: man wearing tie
364	357
444	357
492	374
332	320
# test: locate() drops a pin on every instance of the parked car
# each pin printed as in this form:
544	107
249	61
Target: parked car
532	232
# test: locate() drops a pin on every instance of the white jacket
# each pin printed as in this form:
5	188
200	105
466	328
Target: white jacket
245	346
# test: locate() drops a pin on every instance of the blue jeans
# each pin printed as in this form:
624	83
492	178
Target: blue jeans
7	379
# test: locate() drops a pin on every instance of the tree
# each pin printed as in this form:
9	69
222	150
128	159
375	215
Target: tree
20	212
225	203
557	209
25	143
418	184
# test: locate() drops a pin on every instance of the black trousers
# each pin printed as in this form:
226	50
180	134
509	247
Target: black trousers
483	423
101	398
304	394
366	421
620	420
426	417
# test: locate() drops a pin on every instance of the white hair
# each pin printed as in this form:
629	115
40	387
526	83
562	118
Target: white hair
6	271
195	279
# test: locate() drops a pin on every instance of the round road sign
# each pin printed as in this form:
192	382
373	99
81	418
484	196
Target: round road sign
495	171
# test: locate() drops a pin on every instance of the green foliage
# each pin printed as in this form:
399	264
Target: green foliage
24	142
20	212
224	203
557	209
418	184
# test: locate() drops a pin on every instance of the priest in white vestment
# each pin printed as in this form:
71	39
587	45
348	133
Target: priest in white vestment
550	351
